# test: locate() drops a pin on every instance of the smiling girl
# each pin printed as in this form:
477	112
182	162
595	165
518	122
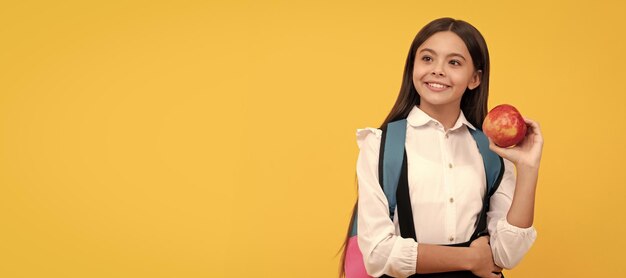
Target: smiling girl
443	98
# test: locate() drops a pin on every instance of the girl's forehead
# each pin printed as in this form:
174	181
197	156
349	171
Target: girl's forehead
443	43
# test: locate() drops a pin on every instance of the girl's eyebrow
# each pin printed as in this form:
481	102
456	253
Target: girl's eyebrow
451	54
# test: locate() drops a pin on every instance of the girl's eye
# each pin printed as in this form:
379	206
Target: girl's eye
455	62
426	58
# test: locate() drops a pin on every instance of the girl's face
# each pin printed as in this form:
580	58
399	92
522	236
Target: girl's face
442	70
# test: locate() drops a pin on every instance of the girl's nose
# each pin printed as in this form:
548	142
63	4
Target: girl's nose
438	70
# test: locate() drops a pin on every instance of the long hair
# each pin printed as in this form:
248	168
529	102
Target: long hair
473	102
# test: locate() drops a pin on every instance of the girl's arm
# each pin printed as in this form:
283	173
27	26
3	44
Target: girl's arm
526	157
476	258
512	207
522	208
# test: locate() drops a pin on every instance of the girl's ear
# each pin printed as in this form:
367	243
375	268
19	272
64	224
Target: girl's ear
475	80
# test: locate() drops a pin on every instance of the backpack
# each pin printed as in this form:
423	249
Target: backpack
392	168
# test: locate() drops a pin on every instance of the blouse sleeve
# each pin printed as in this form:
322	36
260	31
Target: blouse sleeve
509	243
383	251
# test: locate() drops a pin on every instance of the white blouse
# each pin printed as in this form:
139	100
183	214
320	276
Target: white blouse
446	184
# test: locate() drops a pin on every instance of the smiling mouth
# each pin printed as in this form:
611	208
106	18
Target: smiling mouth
437	85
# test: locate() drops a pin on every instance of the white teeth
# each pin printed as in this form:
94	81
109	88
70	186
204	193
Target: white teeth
436	85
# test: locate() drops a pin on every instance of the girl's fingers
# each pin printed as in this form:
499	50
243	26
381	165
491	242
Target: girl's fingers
534	125
495	148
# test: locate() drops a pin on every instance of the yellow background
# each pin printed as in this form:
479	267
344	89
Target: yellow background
217	139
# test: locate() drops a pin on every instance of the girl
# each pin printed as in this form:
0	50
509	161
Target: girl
443	95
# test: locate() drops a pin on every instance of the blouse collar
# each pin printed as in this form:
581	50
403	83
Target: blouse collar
417	117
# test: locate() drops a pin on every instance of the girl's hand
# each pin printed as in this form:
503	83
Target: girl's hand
528	152
483	265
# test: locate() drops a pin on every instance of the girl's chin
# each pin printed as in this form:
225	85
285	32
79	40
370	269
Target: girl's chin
437	100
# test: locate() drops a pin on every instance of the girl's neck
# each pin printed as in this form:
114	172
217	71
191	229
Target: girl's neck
447	115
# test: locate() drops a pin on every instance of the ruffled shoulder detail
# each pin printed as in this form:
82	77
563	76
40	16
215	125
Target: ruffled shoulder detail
371	134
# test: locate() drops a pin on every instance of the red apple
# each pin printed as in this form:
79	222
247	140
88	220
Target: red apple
505	126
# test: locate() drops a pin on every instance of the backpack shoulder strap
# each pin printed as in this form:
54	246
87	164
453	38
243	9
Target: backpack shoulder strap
389	166
494	165
390	160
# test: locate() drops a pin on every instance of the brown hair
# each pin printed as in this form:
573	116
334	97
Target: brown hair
473	102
